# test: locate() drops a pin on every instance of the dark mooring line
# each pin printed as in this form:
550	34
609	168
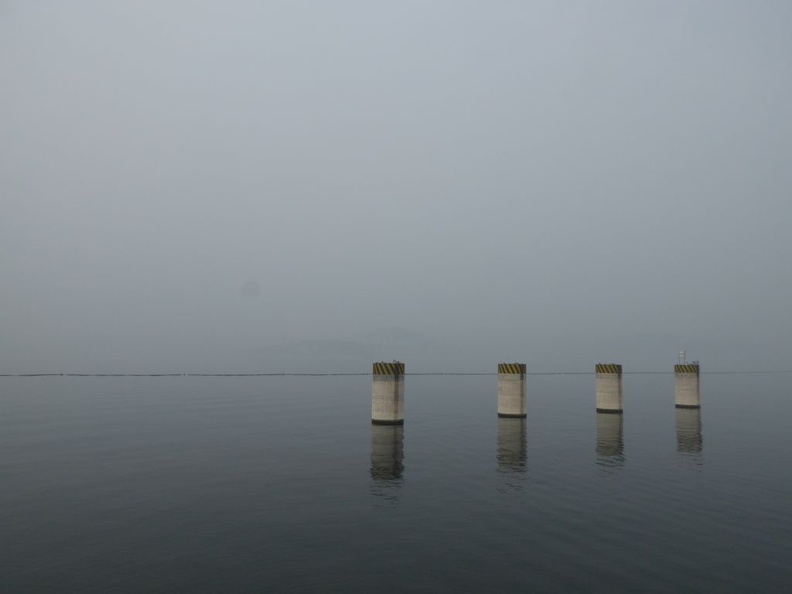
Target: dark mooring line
357	374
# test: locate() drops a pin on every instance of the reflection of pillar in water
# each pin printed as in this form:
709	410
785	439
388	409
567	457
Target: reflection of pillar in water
387	393
688	430
610	437
686	378
511	444
387	451
511	390
609	387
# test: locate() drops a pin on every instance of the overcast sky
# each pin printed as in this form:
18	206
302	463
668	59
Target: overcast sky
223	186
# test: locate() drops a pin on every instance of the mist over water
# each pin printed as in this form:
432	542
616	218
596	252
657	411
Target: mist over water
308	187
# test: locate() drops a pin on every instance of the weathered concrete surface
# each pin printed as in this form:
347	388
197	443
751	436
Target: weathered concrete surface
609	388
686	378
512	390
387	394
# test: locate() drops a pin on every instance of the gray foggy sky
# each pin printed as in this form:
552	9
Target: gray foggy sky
262	186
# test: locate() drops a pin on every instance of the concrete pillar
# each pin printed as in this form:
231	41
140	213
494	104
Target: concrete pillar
688	430
609	388
610	435
511	390
387	393
511	444
686	378
387	452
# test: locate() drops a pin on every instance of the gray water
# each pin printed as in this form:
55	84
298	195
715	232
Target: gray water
282	484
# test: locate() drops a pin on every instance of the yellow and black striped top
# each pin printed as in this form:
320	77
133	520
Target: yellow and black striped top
513	368
687	368
608	368
394	368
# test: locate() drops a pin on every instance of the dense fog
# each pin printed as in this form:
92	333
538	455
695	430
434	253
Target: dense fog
311	186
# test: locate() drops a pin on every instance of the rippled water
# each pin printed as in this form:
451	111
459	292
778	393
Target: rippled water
282	484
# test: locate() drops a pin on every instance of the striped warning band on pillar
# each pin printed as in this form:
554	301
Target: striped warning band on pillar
382	368
686	368
608	368
515	368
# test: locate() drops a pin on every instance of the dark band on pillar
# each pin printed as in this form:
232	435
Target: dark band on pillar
382	368
512	368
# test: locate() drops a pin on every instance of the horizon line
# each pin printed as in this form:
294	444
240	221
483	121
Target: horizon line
362	374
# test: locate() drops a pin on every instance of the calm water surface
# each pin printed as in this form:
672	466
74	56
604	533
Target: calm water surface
281	484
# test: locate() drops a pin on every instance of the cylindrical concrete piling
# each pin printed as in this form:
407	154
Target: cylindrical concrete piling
387	393
609	388
511	390
511	444
688	430
686	378
387	452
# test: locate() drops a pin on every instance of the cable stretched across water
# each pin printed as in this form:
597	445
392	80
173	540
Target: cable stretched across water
363	374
